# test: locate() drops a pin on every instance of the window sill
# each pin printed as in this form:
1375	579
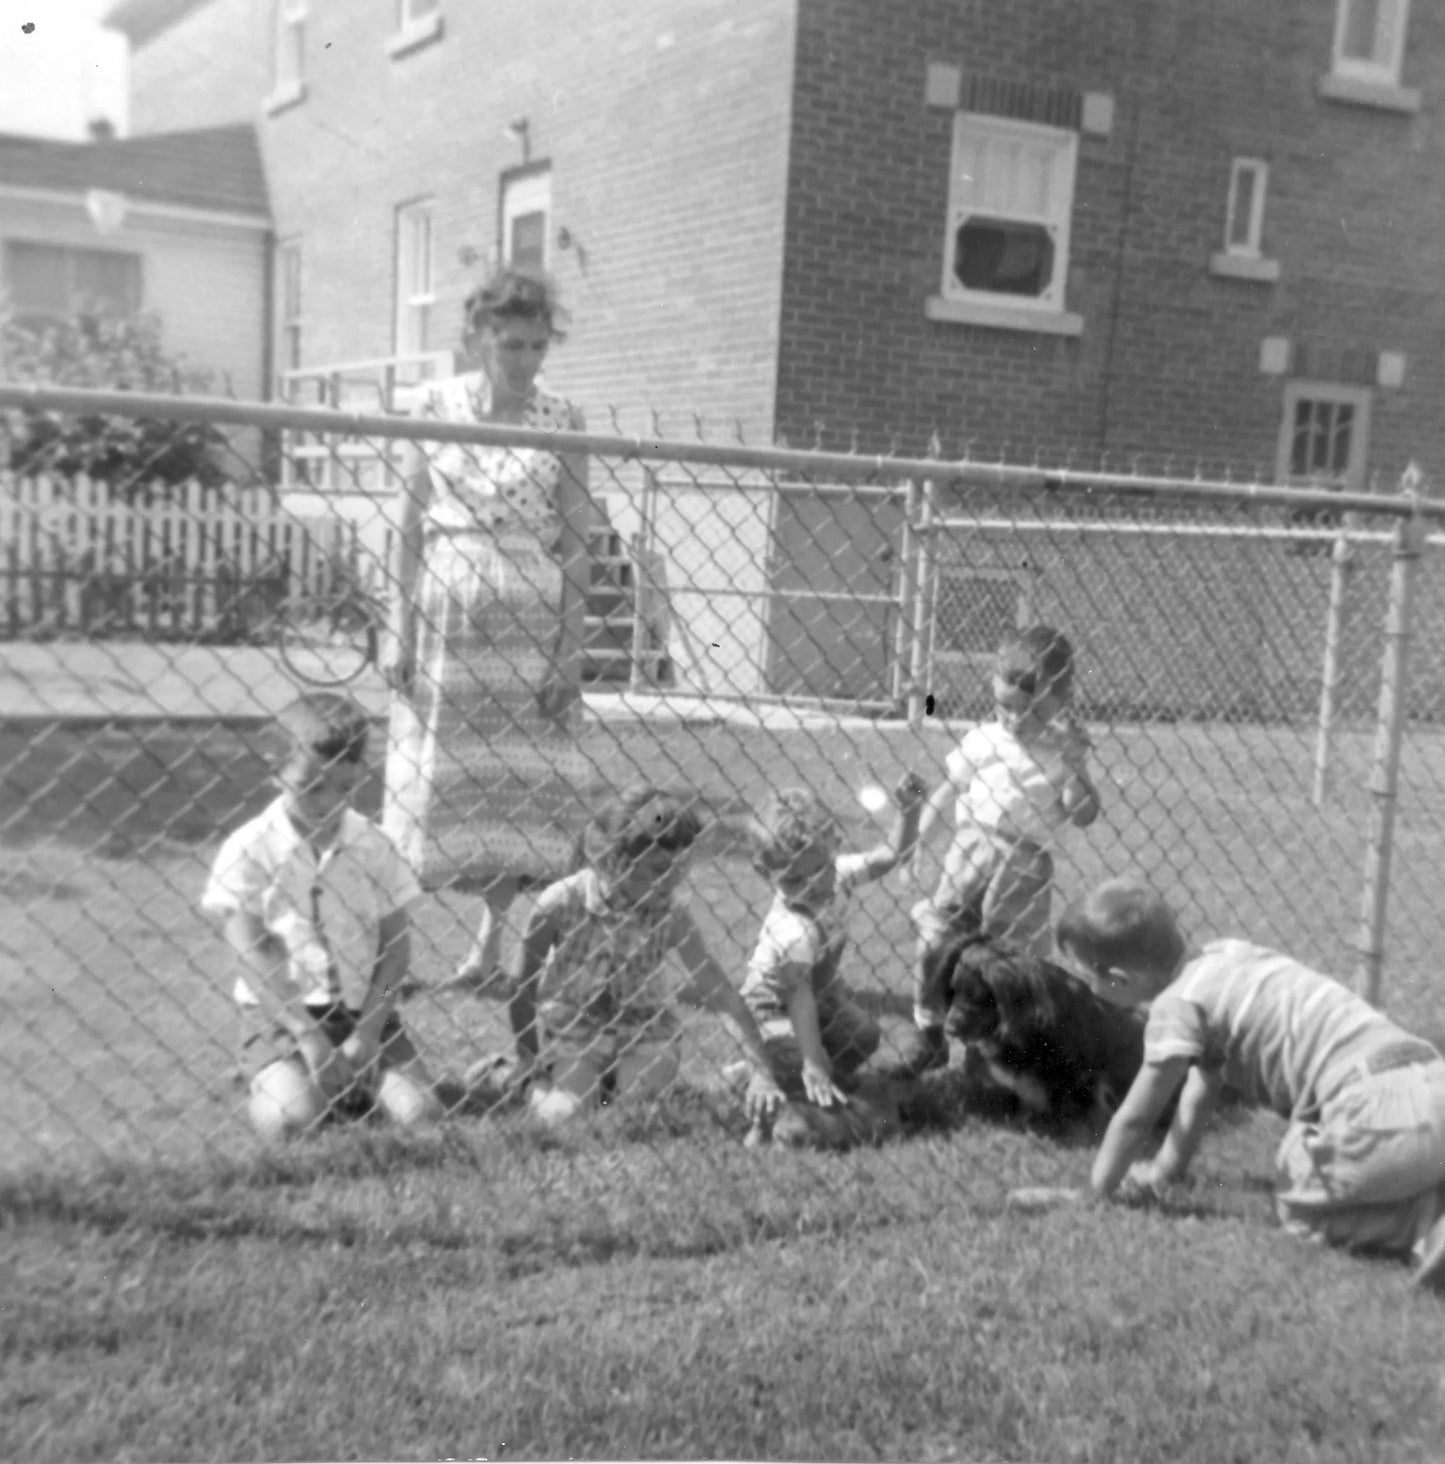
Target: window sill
1004	317
283	100
1244	267
1378	94
414	37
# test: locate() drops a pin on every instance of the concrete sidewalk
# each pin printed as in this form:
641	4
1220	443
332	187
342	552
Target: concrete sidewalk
140	681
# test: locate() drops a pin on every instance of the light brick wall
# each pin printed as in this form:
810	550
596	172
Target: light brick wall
666	124
211	68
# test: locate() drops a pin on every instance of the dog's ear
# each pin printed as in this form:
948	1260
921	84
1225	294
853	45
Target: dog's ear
1021	986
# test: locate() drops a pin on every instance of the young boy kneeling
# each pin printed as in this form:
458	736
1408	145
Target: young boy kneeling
1363	1158
315	901
593	1009
817	1035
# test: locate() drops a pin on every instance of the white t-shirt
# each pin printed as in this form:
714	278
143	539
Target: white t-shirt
335	904
1284	1036
1009	787
798	945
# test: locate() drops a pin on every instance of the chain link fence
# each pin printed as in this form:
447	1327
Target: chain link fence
755	619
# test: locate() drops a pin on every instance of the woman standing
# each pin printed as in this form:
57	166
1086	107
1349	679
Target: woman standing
483	776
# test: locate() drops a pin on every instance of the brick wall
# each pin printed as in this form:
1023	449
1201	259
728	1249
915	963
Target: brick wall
665	122
210	69
1168	361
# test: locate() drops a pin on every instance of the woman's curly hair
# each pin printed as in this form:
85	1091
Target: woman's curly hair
513	294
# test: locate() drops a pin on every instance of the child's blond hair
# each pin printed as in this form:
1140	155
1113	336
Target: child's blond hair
327	724
795	819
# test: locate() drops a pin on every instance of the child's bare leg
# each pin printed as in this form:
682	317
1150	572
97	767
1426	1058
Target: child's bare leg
928	1046
577	1069
483	961
405	1091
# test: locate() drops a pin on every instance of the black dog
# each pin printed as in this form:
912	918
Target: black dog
1043	1035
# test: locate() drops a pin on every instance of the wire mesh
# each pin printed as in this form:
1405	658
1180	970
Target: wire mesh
750	621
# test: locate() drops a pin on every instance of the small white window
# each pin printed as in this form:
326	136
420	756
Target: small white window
415	293
290	58
1010	196
1324	435
526	215
1244	224
1370	39
288	302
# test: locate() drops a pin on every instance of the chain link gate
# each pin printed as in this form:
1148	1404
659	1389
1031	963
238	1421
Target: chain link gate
1266	751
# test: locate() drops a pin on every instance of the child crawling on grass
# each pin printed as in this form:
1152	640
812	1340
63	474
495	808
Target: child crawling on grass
817	1035
593	1012
315	900
1363	1158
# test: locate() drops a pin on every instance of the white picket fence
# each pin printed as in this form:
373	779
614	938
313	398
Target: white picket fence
169	562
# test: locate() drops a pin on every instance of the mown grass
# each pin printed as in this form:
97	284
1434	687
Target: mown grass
645	1286
640	1291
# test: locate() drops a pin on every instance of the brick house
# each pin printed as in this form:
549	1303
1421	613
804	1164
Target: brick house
1141	228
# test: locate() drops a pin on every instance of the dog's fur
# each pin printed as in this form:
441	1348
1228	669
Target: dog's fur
1041	1033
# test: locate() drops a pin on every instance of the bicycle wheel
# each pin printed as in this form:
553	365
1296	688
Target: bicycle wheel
329	647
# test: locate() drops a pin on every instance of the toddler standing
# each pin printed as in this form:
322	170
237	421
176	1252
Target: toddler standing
1013	782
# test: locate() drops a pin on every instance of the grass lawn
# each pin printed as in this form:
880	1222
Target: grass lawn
645	1286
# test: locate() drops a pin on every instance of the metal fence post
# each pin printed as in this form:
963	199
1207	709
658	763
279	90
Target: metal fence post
922	612
1340	567
907	593
1384	773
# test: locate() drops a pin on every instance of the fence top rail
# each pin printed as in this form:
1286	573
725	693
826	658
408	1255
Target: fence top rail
837	465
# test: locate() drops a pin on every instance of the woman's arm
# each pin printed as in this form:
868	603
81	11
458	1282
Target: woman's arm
578	514
415	495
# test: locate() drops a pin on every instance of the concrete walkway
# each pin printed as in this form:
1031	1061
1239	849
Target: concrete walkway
136	680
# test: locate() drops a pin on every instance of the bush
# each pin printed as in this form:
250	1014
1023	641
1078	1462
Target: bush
105	352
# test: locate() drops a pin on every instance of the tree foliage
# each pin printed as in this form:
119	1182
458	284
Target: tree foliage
110	352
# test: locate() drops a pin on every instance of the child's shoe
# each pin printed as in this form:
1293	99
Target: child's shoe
927	1050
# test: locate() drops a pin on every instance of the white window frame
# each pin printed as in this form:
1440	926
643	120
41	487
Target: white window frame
418	22
288	51
1003	132
1381	70
1251	247
290	313
415	275
522	194
1333	393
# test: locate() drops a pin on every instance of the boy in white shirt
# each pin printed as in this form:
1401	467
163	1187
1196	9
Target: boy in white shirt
1363	1159
315	899
816	1034
1013	783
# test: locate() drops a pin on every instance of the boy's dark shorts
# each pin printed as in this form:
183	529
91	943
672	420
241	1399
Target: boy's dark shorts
263	1042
